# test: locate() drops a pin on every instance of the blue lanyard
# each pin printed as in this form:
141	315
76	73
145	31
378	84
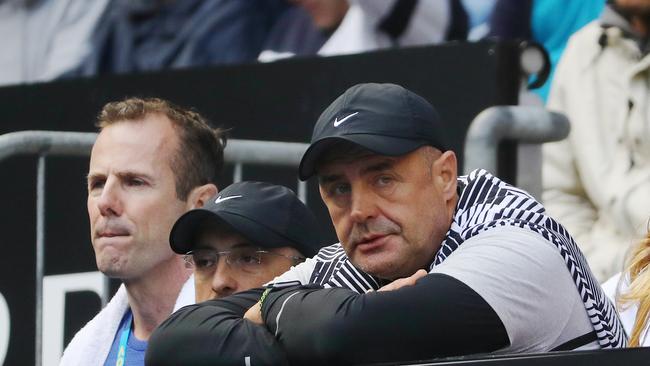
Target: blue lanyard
124	338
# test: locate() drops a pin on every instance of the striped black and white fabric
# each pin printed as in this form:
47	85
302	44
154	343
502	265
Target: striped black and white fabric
486	202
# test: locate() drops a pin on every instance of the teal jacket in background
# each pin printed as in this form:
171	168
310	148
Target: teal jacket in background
548	22
553	22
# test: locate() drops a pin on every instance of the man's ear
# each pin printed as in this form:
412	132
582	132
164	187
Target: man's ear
200	195
447	168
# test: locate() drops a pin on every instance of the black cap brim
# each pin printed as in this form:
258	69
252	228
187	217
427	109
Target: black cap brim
183	234
379	144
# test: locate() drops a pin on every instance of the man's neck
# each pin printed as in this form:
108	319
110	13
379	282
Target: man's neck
153	296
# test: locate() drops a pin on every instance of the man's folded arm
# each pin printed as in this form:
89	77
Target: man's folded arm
439	316
214	333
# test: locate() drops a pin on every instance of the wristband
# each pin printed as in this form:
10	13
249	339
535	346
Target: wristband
263	297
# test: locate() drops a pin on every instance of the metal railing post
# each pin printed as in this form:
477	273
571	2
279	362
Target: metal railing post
302	191
40	254
523	124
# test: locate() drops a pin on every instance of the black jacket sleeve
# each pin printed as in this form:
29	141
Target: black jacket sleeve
214	333
439	316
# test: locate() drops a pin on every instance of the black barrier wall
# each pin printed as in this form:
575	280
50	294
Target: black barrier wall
278	101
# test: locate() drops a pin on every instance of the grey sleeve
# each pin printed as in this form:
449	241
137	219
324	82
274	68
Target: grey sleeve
525	280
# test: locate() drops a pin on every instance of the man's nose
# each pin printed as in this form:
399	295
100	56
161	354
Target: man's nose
224	281
109	201
363	205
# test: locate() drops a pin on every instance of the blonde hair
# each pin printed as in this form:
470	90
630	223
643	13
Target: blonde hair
638	291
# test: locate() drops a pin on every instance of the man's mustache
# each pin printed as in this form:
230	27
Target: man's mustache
376	227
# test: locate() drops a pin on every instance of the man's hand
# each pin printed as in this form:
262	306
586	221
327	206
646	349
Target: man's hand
402	282
254	314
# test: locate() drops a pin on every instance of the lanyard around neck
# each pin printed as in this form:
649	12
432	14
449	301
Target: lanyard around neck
124	338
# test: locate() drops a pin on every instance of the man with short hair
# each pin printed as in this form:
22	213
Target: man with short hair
241	239
429	264
152	162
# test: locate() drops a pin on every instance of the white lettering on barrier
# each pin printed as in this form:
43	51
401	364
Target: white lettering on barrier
5	328
54	290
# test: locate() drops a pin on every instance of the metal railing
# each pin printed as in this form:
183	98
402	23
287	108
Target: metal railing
523	124
57	143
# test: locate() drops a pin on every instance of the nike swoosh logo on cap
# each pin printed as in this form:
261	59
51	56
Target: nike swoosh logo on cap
220	199
338	122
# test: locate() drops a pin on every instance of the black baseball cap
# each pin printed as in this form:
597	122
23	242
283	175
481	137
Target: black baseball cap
386	119
268	215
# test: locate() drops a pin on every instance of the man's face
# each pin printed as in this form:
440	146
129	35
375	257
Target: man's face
390	213
239	267
132	201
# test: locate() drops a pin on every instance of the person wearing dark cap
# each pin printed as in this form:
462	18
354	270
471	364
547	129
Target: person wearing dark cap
244	237
429	264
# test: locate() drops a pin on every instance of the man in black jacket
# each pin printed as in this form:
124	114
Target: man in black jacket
243	237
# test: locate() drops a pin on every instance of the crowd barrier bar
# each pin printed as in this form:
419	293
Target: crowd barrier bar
522	124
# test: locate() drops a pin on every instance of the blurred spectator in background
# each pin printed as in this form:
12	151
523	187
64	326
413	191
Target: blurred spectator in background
70	38
42	39
303	29
597	182
149	35
547	22
478	16
336	27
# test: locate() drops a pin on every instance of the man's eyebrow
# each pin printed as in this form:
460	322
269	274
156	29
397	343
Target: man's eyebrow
94	176
378	167
133	174
243	244
325	179
371	168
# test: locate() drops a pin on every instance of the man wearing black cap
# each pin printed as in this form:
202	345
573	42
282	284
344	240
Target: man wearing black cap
259	230
463	265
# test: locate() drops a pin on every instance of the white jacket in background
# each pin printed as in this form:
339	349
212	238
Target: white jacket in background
597	181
